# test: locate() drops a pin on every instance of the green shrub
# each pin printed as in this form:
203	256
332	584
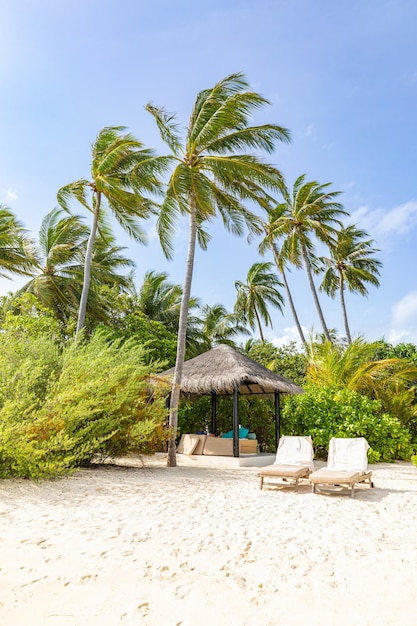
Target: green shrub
102	399
60	411
323	413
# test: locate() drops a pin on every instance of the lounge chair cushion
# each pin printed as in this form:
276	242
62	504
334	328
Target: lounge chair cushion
201	443
284	471
348	454
188	444
293	450
332	477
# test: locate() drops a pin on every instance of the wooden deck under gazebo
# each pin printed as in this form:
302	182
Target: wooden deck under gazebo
223	371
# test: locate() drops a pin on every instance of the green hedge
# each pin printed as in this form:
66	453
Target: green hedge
323	413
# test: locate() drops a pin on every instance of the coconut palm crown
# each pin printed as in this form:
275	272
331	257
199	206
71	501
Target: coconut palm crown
254	295
351	265
125	177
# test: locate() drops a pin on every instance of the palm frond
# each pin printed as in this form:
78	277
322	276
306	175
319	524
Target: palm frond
168	127
78	190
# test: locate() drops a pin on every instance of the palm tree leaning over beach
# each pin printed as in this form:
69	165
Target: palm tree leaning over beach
254	295
309	209
269	242
350	266
124	177
214	176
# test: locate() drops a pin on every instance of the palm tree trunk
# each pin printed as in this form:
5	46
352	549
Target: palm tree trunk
315	297
259	325
181	342
289	295
87	268
342	300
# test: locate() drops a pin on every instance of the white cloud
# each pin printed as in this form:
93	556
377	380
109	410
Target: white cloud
309	131
9	196
152	233
381	223
404	320
290	334
405	311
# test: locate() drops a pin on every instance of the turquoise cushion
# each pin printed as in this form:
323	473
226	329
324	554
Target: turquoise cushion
243	433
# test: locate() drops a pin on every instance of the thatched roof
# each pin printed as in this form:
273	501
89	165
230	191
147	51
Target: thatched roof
222	368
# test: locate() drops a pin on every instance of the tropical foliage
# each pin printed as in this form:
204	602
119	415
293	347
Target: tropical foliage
392	381
286	360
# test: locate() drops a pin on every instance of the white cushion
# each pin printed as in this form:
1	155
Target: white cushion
348	454
294	450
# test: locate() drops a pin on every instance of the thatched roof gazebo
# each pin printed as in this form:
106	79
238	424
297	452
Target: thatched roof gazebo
223	371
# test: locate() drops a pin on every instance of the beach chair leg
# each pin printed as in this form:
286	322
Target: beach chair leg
352	491
261	482
313	487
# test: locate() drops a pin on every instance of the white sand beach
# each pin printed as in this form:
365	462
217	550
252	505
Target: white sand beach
153	545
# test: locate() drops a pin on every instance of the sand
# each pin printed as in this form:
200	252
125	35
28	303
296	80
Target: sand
153	545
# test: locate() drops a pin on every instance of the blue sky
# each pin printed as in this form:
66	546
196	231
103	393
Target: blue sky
341	76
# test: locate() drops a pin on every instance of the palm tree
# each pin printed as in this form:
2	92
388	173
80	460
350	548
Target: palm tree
57	265
214	326
269	243
56	261
214	175
350	266
15	246
310	209
260	289
122	170
160	300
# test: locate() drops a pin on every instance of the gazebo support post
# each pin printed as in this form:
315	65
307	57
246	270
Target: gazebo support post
235	422
277	418
213	428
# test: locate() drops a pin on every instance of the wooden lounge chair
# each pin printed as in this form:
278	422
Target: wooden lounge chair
294	461
347	465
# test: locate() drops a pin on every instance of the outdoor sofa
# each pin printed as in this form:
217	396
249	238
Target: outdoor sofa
209	445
